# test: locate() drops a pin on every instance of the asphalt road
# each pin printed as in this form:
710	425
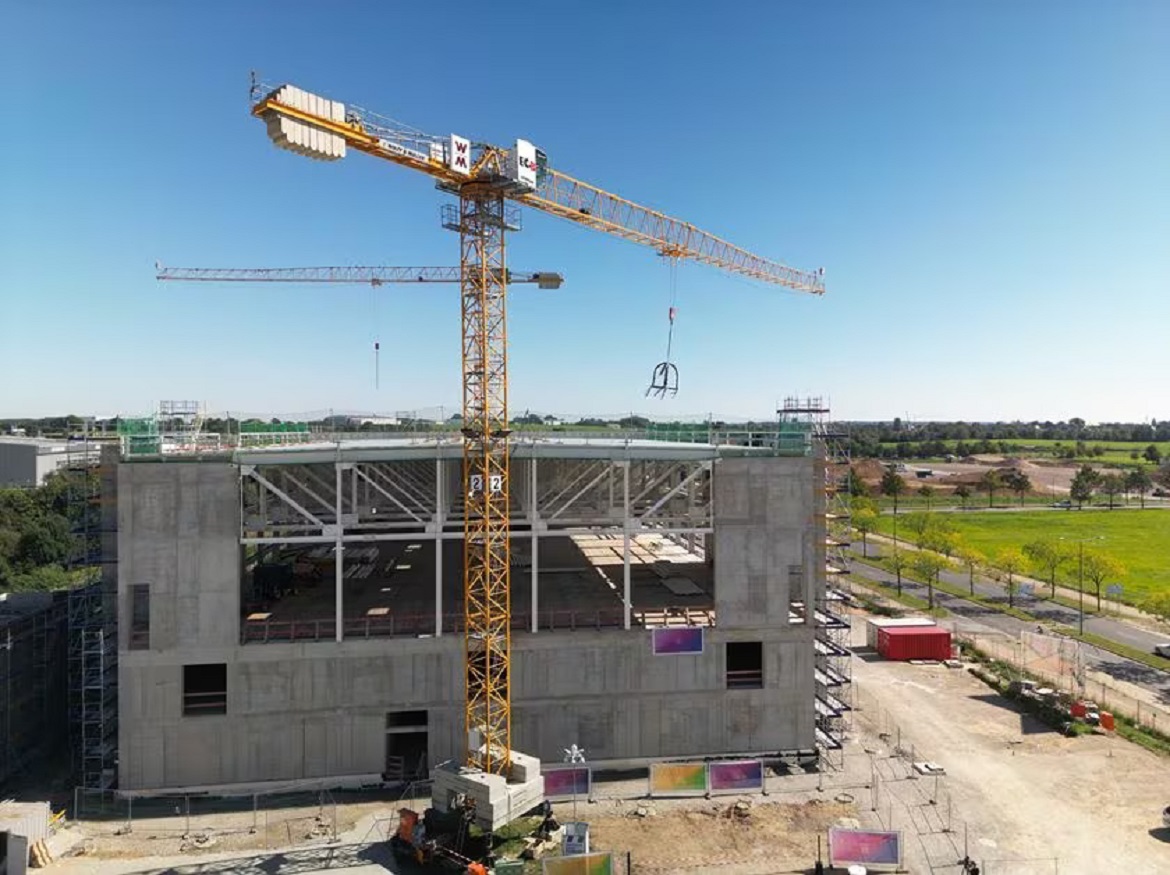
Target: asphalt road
1108	663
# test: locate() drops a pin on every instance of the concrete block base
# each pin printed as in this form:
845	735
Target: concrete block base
498	800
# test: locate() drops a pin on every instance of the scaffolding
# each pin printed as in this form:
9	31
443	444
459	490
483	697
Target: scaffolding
92	615
832	665
32	682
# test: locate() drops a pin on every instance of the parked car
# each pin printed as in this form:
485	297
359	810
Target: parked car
1162	650
1166	817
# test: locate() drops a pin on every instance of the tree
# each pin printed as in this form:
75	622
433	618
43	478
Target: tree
941	538
1100	567
927	492
1152	454
893	485
865	521
898	564
1158	605
1018	482
854	485
1139	481
990	482
929	566
962	492
971	559
1011	561
918	523
1083	484
1112	485
860	502
1047	556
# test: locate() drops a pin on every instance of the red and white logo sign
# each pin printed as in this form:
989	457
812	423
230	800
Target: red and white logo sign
459	155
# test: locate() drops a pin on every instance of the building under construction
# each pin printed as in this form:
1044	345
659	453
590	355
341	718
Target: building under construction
33	672
294	611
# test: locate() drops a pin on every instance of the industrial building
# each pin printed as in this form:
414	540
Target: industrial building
295	611
26	462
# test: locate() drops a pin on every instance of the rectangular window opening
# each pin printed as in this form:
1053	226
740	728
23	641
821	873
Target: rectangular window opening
139	616
204	689
745	665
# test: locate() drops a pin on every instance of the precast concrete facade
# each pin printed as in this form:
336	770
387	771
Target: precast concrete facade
329	706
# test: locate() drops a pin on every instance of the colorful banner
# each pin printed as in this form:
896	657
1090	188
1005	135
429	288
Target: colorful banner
678	779
585	864
562	784
740	776
686	640
849	847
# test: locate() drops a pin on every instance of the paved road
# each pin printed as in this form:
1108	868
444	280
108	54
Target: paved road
1108	663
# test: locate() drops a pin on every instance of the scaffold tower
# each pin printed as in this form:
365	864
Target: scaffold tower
833	661
93	640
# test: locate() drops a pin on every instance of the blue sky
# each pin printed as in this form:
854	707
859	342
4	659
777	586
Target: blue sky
985	184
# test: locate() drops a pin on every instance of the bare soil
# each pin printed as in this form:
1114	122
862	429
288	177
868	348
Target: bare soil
1023	791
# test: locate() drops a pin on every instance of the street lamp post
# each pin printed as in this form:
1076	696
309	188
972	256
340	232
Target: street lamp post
1081	586
1081	578
574	756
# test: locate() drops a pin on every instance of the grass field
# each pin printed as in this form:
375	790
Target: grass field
1139	539
1115	452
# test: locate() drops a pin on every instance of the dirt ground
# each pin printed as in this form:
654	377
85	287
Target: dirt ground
717	836
1030	799
1018	797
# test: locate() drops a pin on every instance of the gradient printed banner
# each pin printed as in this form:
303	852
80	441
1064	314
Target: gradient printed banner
740	776
562	784
673	641
848	847
584	864
678	779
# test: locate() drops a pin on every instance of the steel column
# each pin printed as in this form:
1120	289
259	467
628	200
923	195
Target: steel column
533	517
626	523
438	548
339	559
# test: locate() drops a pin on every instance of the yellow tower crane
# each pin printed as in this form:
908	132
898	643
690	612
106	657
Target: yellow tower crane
489	181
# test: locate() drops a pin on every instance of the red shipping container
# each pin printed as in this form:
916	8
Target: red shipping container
914	642
1107	721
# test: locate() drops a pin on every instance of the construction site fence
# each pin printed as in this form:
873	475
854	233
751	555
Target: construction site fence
280	818
1059	662
416	625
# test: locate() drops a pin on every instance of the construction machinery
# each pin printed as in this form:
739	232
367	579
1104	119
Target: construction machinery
439	843
490	182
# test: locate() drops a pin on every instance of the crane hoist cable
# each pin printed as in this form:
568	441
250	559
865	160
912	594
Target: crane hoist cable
664	379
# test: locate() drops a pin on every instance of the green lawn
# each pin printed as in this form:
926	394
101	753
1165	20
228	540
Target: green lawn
1139	539
1115	452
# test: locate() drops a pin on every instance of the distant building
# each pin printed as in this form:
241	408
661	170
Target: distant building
28	461
373	420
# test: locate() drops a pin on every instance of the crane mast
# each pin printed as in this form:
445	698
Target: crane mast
485	179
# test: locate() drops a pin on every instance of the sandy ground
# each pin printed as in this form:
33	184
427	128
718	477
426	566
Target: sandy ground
1023	792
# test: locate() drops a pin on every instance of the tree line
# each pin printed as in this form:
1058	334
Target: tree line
942	548
36	534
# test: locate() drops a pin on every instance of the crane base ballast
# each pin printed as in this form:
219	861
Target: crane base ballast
497	800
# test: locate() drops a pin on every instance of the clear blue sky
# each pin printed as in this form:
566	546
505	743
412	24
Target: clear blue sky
987	186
